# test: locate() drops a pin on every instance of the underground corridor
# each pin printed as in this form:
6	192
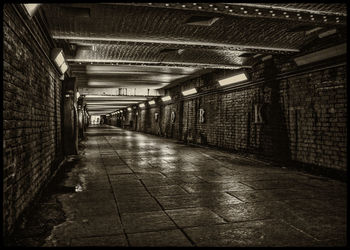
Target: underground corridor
174	124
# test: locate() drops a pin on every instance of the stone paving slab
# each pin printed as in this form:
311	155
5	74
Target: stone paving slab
142	190
197	216
146	222
168	238
270	233
101	241
268	195
252	211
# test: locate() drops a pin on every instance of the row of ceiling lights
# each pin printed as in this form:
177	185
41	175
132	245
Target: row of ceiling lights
241	77
259	12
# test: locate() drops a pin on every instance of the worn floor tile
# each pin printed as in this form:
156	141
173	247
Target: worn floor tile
169	190
258	233
264	195
138	205
190	217
252	211
88	227
146	222
218	198
321	227
169	238
101	241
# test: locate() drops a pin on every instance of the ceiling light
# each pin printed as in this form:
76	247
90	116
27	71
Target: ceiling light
265	58
63	68
321	55
327	33
129	109
189	92
57	56
151	102
202	20
31	8
142	105
59	59
233	79
166	98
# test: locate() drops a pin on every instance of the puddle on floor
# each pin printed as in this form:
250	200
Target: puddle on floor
38	220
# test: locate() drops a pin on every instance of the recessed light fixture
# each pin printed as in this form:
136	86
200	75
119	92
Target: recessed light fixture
151	102
166	98
327	33
321	55
141	105
202	20
189	92
233	79
59	59
129	109
63	68
31	8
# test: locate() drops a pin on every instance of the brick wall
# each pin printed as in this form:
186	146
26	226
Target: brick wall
304	114
31	117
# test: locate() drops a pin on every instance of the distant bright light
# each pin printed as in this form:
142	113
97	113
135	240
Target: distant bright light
78	95
233	79
129	109
142	105
59	59
63	68
151	102
189	92
31	8
166	98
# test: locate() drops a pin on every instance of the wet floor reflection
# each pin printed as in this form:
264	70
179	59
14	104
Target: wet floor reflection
136	186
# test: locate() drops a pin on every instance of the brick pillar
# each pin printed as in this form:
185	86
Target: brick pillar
274	130
70	117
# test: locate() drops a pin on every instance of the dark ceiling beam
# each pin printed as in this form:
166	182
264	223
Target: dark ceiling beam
86	74
199	44
255	11
157	64
289	8
152	43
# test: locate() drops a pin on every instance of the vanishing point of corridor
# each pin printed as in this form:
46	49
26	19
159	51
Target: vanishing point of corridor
133	189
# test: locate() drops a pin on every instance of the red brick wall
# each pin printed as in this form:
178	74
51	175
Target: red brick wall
31	117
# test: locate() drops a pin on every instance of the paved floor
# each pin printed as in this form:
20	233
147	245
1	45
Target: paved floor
133	189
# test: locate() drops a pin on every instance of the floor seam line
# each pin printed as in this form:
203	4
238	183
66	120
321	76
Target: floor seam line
161	206
116	202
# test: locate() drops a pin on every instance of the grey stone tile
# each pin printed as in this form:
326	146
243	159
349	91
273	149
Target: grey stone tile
274	184
197	216
139	205
100	241
243	234
88	227
92	195
169	238
166	190
146	222
91	208
215	187
265	195
330	227
252	211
